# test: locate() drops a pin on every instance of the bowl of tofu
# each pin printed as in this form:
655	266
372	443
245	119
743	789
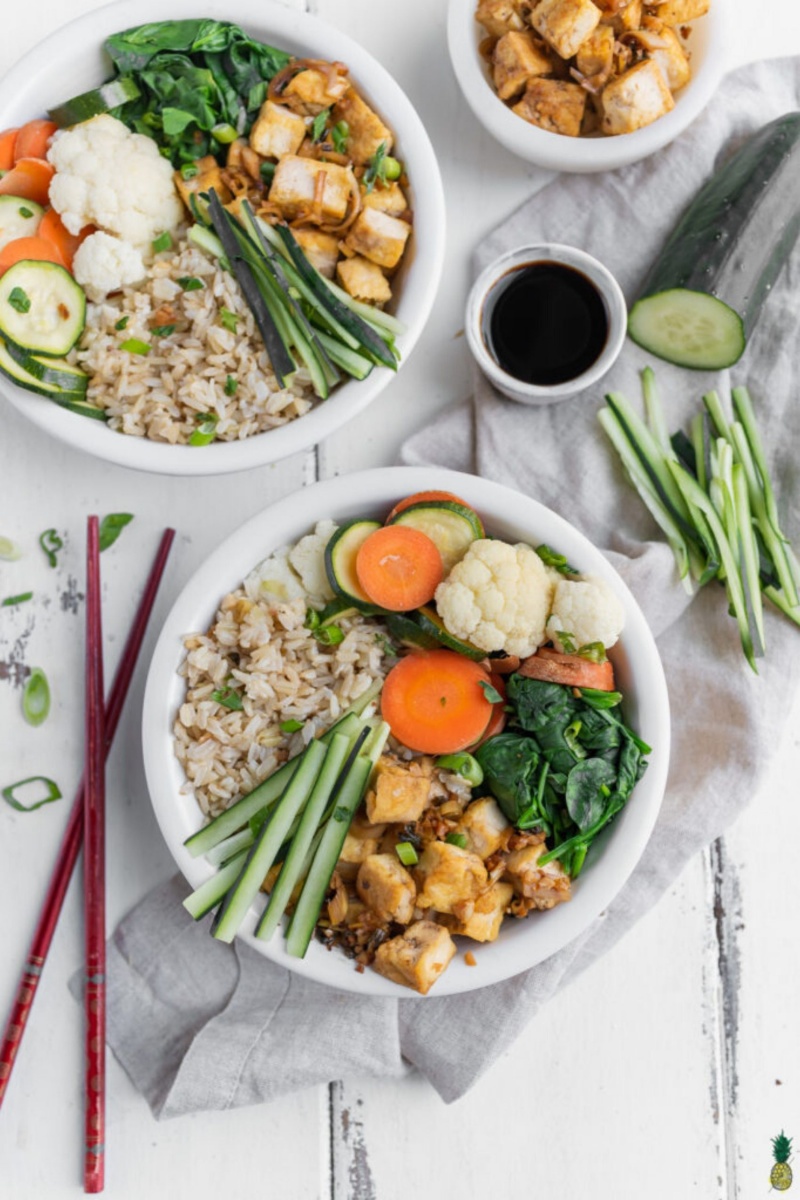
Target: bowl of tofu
395	251
514	945
586	85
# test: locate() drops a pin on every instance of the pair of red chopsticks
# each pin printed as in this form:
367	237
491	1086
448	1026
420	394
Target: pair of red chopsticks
87	823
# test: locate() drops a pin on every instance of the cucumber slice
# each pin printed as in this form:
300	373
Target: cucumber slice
210	893
42	308
99	100
55	371
340	561
691	329
408	631
451	527
431	623
18	218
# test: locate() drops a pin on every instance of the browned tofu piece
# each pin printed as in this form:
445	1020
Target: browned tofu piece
546	886
565	24
517	59
294	187
362	839
630	17
397	795
277	131
379	237
678	12
209	174
417	958
386	888
484	825
499	17
483	923
364	280
596	55
664	46
635	98
388	197
311	90
553	105
447	875
321	249
367	130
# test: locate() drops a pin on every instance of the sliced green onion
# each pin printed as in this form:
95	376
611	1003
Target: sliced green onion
9	550
24	212
551	558
231	384
189	170
190	283
135	346
313	619
593	651
12	601
206	429
228	698
462	764
162	242
490	692
51	543
162	330
267	171
53	793
339	135
229	319
407	854
122	323
457	839
330	635
318	124
291	726
19	300
224	133
111	527
36	697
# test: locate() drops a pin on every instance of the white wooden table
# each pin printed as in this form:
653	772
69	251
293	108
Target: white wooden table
664	1071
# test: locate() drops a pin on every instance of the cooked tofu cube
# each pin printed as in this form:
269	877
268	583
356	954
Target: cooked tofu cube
484	825
565	24
417	958
294	187
635	98
596	55
499	17
363	280
321	249
553	105
664	47
310	91
546	886
277	131
483	924
448	875
678	12
379	237
630	16
386	888
367	130
361	841
397	794
209	174
388	197
517	59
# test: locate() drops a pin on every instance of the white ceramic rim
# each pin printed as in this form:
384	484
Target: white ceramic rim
296	31
583	155
510	514
598	274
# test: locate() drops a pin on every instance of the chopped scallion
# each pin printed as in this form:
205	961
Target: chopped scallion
339	135
407	854
9	550
462	764
267	171
229	319
135	346
490	692
9	793
190	283
24	212
206	429
457	839
228	698
162	242
12	601
330	635
36	697
231	384
51	543
19	300
291	726
122	323
224	133
162	330
189	170
318	124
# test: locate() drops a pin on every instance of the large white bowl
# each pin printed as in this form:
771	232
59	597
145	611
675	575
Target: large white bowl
556	151
506	513
71	60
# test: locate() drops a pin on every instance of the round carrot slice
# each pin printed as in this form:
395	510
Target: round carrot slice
52	229
570	670
29	249
433	701
425	498
399	568
33	139
29	178
7	141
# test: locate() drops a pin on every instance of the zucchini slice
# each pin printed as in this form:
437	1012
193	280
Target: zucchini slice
54	371
431	623
42	308
74	400
451	527
408	631
340	562
100	100
19	218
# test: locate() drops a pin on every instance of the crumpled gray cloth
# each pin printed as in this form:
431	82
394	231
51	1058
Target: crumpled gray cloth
200	1025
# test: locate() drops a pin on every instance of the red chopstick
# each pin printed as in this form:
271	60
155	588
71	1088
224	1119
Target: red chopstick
94	872
73	835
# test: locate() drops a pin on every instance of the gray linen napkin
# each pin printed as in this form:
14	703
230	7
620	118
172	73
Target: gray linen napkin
199	1025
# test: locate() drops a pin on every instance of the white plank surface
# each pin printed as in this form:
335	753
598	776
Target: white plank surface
655	1073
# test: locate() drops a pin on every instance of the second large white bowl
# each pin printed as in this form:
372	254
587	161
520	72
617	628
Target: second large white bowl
507	514
71	60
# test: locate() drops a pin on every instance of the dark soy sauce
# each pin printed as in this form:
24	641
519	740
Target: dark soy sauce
547	324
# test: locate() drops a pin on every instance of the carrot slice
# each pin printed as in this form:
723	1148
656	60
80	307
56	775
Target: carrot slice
507	665
7	140
29	178
399	568
434	702
33	138
29	249
569	669
424	498
53	230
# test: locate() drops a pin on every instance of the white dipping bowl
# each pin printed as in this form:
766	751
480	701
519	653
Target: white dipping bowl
510	515
582	155
72	60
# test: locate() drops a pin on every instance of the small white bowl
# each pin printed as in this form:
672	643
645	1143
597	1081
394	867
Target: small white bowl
72	60
489	285
556	151
509	515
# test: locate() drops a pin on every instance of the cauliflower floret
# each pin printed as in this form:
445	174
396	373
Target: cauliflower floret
308	560
104	264
583	611
275	580
497	598
114	179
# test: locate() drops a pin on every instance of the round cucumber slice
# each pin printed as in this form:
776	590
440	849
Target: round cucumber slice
431	623
691	329
451	527
340	561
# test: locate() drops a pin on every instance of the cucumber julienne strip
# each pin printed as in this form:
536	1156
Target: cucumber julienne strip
775	543
209	893
228	849
748	557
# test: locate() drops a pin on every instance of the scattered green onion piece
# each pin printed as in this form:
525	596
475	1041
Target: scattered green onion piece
551	558
122	323
318	124
339	135
189	170
567	641
457	839
53	793
111	527
162	242
229	319
12	601
462	764
190	283
19	300
267	171
490	692
135	346
36	697
228	698
231	384
24	212
291	726
162	330
9	551
224	133
593	651
51	543
206	430
331	635
407	854
313	619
